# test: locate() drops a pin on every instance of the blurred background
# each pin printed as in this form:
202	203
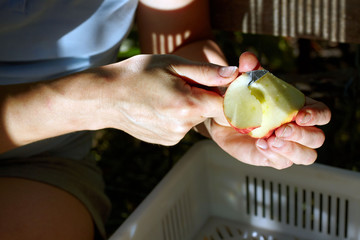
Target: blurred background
328	72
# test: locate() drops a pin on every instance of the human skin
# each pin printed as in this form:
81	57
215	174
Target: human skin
292	143
296	145
156	98
152	97
137	95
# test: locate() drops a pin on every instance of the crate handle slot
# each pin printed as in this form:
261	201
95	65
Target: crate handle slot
297	206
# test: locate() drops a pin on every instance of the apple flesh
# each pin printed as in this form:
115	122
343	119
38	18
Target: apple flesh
258	108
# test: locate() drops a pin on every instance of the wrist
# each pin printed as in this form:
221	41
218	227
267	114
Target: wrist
117	92
80	99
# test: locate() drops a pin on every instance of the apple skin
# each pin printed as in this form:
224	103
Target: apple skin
267	135
260	107
243	130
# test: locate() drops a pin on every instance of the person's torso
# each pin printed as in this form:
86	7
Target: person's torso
45	39
42	39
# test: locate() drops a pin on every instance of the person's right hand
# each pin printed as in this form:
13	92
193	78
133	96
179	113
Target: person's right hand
159	98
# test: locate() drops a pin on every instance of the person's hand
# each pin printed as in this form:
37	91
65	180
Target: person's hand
159	98
292	143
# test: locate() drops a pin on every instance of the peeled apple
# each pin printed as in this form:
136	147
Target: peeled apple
258	107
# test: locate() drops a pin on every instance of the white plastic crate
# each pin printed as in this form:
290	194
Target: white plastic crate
208	195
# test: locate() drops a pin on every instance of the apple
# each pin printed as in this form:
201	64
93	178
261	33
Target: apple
258	107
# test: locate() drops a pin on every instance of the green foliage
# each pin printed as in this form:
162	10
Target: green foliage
130	46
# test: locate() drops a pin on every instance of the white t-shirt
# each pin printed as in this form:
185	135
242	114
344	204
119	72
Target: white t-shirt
45	39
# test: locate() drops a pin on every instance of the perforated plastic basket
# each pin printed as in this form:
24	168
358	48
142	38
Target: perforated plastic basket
209	195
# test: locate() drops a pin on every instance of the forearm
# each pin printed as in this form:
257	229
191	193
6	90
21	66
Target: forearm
36	111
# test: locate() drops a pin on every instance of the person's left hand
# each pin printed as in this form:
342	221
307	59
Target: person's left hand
292	143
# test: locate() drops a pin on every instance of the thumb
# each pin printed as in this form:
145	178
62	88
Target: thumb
248	62
206	73
211	105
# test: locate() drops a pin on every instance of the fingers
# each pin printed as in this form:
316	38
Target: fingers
211	105
243	148
272	152
313	113
291	151
292	143
205	73
296	142
311	137
296	153
282	154
248	62
273	158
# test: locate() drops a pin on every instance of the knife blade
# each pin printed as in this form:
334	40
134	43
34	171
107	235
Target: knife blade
256	75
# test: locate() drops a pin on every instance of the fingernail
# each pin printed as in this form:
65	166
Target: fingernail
306	118
227	71
278	142
286	132
261	143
